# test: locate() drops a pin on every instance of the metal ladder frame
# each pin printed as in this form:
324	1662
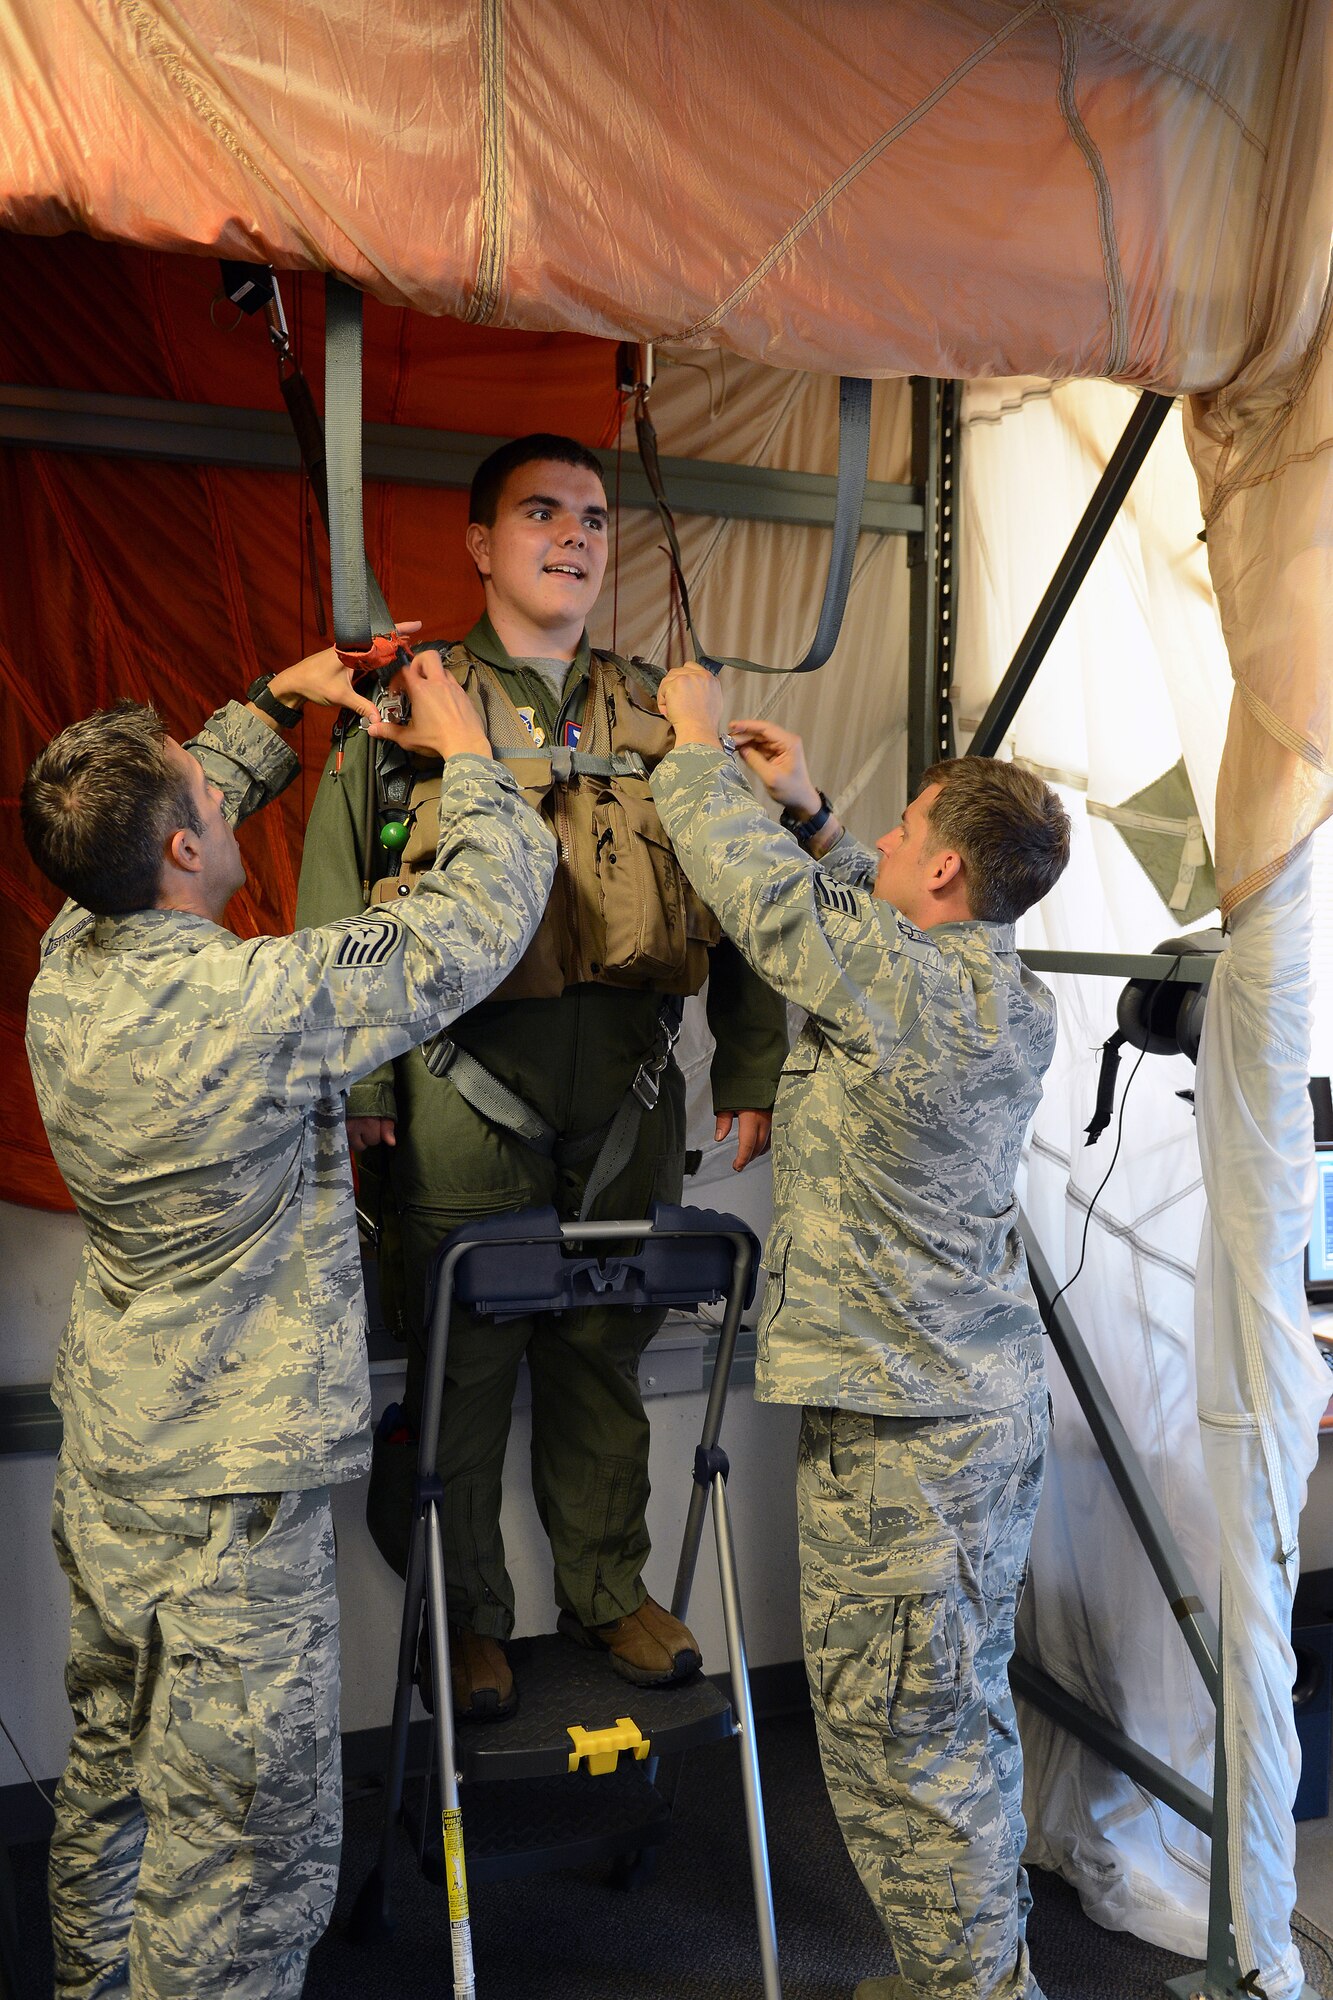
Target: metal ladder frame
425	1585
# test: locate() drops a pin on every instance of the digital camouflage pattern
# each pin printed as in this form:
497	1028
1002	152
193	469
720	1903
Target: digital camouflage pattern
897	1282
898	1311
191	1083
914	1537
199	1816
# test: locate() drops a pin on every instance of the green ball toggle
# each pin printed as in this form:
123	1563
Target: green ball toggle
393	835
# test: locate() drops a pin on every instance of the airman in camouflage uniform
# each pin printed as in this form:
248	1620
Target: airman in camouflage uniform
213	1378
898	1310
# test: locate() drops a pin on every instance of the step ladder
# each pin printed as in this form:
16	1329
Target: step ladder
571	1777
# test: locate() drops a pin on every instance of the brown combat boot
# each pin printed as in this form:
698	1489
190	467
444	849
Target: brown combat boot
483	1686
479	1674
647	1646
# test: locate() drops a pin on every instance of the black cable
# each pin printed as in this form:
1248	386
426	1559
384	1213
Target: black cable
36	1783
1119	1135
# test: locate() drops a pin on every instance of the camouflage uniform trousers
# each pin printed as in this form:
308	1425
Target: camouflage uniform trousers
914	1538
199	1815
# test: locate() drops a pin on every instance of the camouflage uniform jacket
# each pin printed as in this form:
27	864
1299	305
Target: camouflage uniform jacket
191	1083
897	1282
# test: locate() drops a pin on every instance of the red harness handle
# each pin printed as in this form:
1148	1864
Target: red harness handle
385	650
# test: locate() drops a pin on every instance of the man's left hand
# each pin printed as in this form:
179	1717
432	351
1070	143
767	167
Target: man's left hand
691	700
754	1130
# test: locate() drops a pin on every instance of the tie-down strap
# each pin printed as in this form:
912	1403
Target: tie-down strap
615	1141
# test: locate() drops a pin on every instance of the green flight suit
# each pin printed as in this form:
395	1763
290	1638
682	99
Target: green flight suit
572	1059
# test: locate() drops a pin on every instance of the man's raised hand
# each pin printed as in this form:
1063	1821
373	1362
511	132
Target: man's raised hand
777	758
691	700
442	721
323	679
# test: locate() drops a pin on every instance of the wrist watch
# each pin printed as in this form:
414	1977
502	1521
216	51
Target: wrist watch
258	694
806	829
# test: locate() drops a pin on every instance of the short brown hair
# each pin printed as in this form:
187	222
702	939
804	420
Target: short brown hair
483	502
1010	830
98	806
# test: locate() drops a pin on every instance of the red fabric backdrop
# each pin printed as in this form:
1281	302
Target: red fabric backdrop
178	584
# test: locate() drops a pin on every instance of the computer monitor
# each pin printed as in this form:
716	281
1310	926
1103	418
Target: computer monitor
1319	1255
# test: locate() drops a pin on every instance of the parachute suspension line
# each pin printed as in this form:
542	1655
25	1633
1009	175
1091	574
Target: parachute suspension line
615	575
853	463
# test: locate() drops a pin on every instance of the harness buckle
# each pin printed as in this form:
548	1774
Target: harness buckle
439	1053
646	1086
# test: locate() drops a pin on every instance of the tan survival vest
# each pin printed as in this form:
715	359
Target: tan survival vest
620	912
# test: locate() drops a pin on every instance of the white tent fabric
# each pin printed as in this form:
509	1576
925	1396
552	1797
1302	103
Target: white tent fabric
1115	710
1262	1386
1136	678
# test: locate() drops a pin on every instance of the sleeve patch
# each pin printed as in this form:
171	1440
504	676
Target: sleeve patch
367	942
831	895
81	923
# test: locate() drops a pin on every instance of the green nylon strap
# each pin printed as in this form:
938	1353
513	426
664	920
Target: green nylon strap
853	463
359	611
494	1100
499	1105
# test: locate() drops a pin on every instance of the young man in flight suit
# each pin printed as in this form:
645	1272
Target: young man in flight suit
212	1378
898	1310
592	1007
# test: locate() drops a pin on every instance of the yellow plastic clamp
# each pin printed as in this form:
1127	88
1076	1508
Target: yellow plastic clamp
602	1747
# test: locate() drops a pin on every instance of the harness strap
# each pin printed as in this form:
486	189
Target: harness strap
622	1136
494	1100
853	461
569	764
363	628
615	1141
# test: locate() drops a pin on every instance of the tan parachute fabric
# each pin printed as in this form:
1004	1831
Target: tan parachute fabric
971	189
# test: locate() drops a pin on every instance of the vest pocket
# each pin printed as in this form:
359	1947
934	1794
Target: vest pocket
641	892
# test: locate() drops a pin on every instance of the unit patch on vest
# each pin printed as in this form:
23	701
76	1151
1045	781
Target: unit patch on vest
573	731
528	717
833	895
366	942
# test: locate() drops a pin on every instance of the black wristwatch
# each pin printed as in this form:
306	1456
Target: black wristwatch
806	829
258	694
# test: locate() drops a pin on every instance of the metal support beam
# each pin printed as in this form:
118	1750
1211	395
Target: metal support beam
1194	969
215	434
1197	1625
1150	414
932	563
1045	1693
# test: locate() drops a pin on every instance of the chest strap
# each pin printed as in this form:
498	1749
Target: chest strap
615	1140
567	764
